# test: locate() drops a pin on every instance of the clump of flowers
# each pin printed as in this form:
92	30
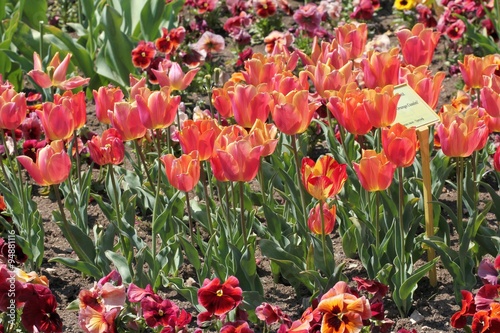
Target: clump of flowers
484	307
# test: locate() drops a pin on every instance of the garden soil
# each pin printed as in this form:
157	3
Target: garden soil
432	308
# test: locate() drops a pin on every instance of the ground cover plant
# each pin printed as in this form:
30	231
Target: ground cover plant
203	163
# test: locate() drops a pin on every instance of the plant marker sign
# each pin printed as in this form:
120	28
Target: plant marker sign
413	111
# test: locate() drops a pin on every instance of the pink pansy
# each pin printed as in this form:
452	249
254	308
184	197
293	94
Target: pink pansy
209	43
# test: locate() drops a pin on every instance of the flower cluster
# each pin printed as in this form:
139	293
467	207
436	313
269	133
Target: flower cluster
484	307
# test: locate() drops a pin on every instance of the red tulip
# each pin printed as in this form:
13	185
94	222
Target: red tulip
347	107
107	149
199	135
57	120
105	98
474	68
219	298
240	160
12	109
425	84
157	109
324	178
375	171
314	220
52	166
183	173
126	120
400	144
418	45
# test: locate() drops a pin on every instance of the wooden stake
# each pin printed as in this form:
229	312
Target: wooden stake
423	137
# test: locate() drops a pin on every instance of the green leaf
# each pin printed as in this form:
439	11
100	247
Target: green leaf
121	265
191	253
84	267
410	285
34	12
74	306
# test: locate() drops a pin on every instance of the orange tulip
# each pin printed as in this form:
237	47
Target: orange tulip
52	166
350	112
381	68
249	103
355	36
381	105
375	171
105	98
262	134
57	120
292	113
426	85
221	100
226	136
326	77
324	178
12	109
199	135
461	134
334	53
240	160
490	96
56	73
418	45
76	104
258	70
126	120
400	144
173	76
314	220
474	68
107	149
157	109
183	173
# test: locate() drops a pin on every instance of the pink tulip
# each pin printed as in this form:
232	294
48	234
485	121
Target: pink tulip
173	76
12	109
126	120
105	98
57	120
157	109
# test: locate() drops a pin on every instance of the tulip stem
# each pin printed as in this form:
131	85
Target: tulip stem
190	220
77	159
323	238
460	166
139	151
377	219
260	176
299	182
207	200
242	213
6	152
344	145
402	259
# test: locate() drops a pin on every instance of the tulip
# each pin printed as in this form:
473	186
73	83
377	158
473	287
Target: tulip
183	173
350	112
12	109
326	77
258	70
381	68
324	178
157	109
249	103
77	105
221	100
173	76
460	135
262	134
496	159
57	120
105	99
136	86
107	149
52	166
314	220
400	144
240	160
381	105
427	86
126	120
199	135
292	113
353	35
474	68
334	53
56	73
418	45
375	171
490	97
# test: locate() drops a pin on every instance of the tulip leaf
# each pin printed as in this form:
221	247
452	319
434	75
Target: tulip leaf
81	266
35	12
191	252
121	265
494	197
410	285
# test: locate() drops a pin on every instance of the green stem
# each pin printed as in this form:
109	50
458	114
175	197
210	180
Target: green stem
6	152
139	151
188	207
155	214
299	181
207	201
242	213
343	136
460	228
402	259
77	158
377	220
323	238
260	177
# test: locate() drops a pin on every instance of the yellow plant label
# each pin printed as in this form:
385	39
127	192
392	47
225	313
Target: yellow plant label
413	111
